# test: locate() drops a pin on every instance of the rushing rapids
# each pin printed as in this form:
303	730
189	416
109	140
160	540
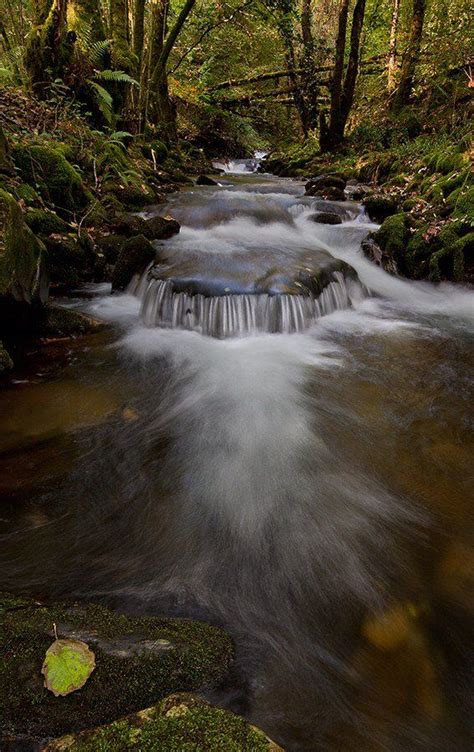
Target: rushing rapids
306	489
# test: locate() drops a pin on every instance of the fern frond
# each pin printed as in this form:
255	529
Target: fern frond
104	101
117	76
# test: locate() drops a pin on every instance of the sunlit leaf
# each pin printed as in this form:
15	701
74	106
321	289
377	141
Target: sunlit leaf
67	666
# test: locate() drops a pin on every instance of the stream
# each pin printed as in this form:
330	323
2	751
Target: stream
295	468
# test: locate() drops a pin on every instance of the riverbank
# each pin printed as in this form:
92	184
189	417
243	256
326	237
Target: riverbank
66	197
419	186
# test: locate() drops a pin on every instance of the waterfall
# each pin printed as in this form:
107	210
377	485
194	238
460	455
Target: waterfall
241	166
239	314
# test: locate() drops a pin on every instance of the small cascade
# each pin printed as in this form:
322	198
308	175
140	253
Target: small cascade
241	166
236	315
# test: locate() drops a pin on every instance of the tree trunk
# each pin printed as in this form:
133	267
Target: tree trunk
48	52
122	55
160	52
138	30
393	47
343	87
410	58
331	137
90	13
310	87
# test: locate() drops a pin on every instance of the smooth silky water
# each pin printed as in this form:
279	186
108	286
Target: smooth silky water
301	479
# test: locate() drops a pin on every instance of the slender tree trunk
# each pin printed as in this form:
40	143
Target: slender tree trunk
410	58
159	60
330	136
122	55
352	69
393	47
310	87
138	30
343	86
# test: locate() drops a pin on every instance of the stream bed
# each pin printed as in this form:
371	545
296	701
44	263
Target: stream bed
301	476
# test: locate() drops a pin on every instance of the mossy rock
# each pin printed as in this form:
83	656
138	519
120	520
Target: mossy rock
23	273
181	722
136	253
133	196
464	204
138	662
155	228
26	193
6	363
454	260
44	222
379	206
47	169
69	260
392	237
56	321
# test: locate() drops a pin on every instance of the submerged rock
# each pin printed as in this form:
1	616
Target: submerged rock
326	218
138	662
180	721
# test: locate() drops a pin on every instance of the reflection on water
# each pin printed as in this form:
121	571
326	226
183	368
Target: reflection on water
309	491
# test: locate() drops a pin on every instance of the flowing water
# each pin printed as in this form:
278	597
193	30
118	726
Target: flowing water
296	469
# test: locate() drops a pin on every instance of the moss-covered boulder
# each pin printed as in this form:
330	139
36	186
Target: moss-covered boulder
6	164
392	237
23	274
44	222
70	259
134	256
380	206
154	228
138	662
181	722
56	321
47	169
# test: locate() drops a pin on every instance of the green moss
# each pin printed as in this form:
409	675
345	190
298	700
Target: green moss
134	256
45	223
138	662
392	235
64	322
449	262
46	168
6	363
27	194
464	204
180	723
22	255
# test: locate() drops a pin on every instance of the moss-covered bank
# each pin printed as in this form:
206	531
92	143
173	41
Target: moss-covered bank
138	662
422	192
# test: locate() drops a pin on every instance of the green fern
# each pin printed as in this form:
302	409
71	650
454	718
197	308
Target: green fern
116	76
104	101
